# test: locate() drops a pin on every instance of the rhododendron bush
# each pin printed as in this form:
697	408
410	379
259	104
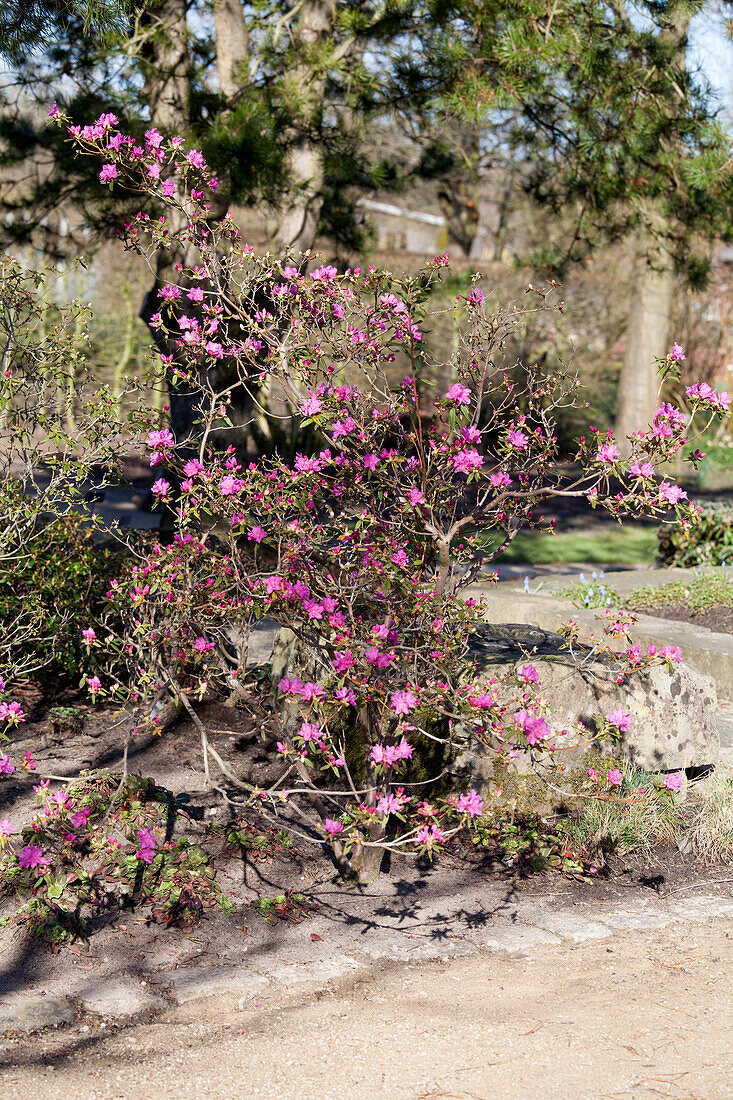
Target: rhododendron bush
361	547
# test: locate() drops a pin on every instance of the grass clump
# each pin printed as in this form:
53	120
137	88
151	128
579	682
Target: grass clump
643	816
636	819
709	830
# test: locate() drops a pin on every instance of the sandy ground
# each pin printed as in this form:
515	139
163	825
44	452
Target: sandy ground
645	1015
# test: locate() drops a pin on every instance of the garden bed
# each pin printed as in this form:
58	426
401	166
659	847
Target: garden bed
276	883
705	600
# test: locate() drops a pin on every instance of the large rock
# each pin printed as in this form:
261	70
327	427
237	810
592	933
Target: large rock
673	713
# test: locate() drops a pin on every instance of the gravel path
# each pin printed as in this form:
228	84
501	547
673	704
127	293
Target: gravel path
641	1014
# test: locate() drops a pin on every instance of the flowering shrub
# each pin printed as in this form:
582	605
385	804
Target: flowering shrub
360	549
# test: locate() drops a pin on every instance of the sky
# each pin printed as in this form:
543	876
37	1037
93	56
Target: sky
713	53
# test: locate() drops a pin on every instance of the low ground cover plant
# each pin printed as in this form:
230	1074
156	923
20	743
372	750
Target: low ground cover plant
703	592
98	846
360	549
591	592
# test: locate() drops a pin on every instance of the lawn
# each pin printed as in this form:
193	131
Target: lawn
628	545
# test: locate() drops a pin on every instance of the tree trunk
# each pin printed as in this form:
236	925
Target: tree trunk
303	91
128	347
653	284
232	45
647	337
165	63
459	193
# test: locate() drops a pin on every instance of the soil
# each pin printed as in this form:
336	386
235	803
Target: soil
719	618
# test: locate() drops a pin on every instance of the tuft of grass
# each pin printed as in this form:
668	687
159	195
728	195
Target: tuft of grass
634	822
638	819
628	545
709	832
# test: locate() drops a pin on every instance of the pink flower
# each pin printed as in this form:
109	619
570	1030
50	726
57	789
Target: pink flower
533	726
229	485
673	782
332	827
146	846
471	804
415	496
306	465
161	488
672	493
195	159
343	427
30	857
528	673
403	751
202	646
614	777
310	732
88	635
677	353
404	701
484	699
257	534
192	467
169	188
109	172
459	394
500	480
161	440
466	461
371	461
593	775
7	828
517	439
311	406
11	712
7	767
609	453
94	684
621	719
644	470
343	662
430	835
